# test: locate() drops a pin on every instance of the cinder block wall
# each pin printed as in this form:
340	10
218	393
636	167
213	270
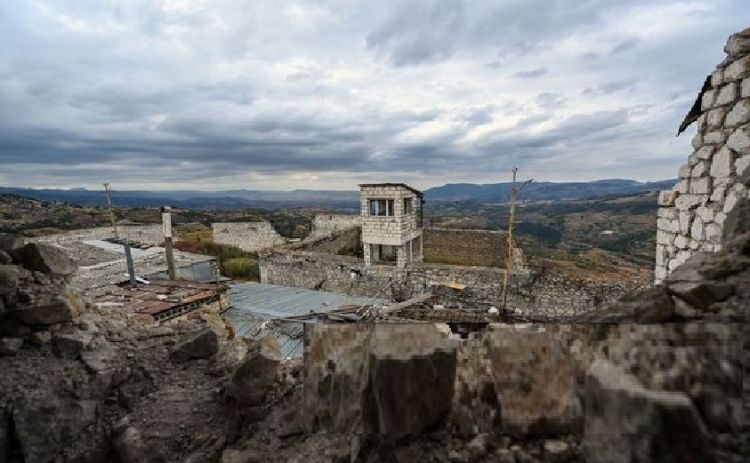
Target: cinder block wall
695	213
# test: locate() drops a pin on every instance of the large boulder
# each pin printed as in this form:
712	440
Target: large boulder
201	345
409	388
251	380
626	423
389	379
45	258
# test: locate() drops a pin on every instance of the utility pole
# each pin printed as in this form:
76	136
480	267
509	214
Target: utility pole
111	210
166	222
511	221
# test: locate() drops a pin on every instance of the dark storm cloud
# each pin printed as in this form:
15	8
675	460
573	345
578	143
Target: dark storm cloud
191	92
531	73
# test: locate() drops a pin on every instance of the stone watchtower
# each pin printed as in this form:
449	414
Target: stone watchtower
391	223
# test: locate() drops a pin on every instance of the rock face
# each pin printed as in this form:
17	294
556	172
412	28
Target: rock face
201	345
255	374
626	423
716	174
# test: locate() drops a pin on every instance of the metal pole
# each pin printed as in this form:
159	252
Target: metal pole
131	267
111	210
166	221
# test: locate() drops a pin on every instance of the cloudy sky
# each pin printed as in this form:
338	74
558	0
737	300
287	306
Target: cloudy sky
283	94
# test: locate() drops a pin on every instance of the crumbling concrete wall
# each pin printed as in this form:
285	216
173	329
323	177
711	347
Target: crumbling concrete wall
537	295
146	234
248	236
482	248
693	215
328	224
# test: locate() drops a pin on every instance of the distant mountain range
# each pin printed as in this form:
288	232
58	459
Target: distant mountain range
338	199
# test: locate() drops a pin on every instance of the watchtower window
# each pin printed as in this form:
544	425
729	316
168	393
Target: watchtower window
381	207
408	206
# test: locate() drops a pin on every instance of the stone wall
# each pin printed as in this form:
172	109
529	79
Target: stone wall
328	224
694	215
530	294
482	248
248	236
146	234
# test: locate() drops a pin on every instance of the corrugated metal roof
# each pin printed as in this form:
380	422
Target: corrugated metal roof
256	305
281	301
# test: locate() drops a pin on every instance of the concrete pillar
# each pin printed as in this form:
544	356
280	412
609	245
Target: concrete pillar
368	254
401	256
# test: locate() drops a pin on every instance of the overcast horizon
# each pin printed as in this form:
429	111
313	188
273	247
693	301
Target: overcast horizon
260	95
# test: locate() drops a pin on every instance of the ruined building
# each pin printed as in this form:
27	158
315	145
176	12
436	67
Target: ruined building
696	213
391	223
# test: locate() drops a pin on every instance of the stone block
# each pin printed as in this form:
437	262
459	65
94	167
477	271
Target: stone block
696	229
667	213
704	152
707	101
699	170
686	219
687	202
682	186
697	141
739	140
685	171
742	168
706	214
717	137
717	195
721	164
717	78
739	114
671	226
745	88
727	94
738	44
715	118
667	197
681	242
739	69
664	237
700	186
